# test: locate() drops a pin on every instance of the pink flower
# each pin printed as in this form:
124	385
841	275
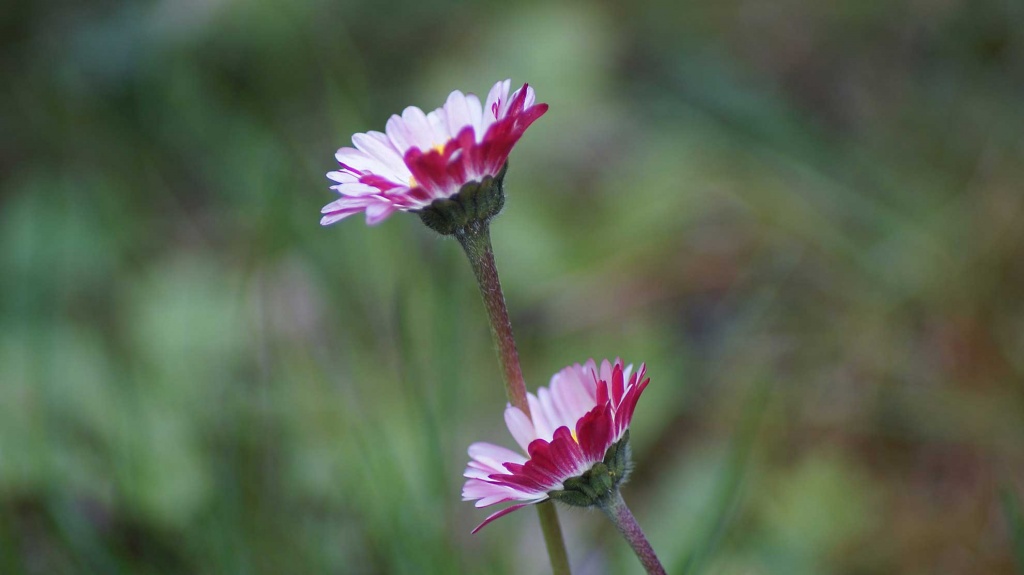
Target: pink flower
424	157
575	422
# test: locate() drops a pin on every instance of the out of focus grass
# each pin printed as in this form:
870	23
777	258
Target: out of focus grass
805	217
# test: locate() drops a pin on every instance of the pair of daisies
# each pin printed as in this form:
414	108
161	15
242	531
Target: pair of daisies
586	410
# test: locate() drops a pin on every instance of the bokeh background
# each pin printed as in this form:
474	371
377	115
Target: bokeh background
804	216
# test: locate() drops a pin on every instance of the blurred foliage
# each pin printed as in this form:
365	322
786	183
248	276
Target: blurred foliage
805	217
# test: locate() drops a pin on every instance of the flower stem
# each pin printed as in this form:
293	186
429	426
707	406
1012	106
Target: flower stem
615	508
475	239
552	530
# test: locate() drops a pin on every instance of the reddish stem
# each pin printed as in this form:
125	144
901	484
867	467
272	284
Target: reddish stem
620	515
476	241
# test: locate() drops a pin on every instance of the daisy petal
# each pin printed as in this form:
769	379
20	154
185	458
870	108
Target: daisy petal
502	513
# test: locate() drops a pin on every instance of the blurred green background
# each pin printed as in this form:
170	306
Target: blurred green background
804	216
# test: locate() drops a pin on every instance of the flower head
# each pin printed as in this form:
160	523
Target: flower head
425	157
577	442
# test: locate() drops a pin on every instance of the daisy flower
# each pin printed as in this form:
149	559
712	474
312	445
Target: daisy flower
422	157
577	443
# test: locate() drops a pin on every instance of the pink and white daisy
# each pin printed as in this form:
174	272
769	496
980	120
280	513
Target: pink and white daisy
583	413
424	157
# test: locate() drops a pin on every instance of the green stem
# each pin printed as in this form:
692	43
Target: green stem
475	239
552	530
615	508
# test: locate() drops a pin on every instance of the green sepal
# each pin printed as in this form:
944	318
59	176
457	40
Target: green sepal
572	498
581	484
601	480
619	458
474	203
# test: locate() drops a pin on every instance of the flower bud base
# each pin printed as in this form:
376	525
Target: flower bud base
475	203
600	483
